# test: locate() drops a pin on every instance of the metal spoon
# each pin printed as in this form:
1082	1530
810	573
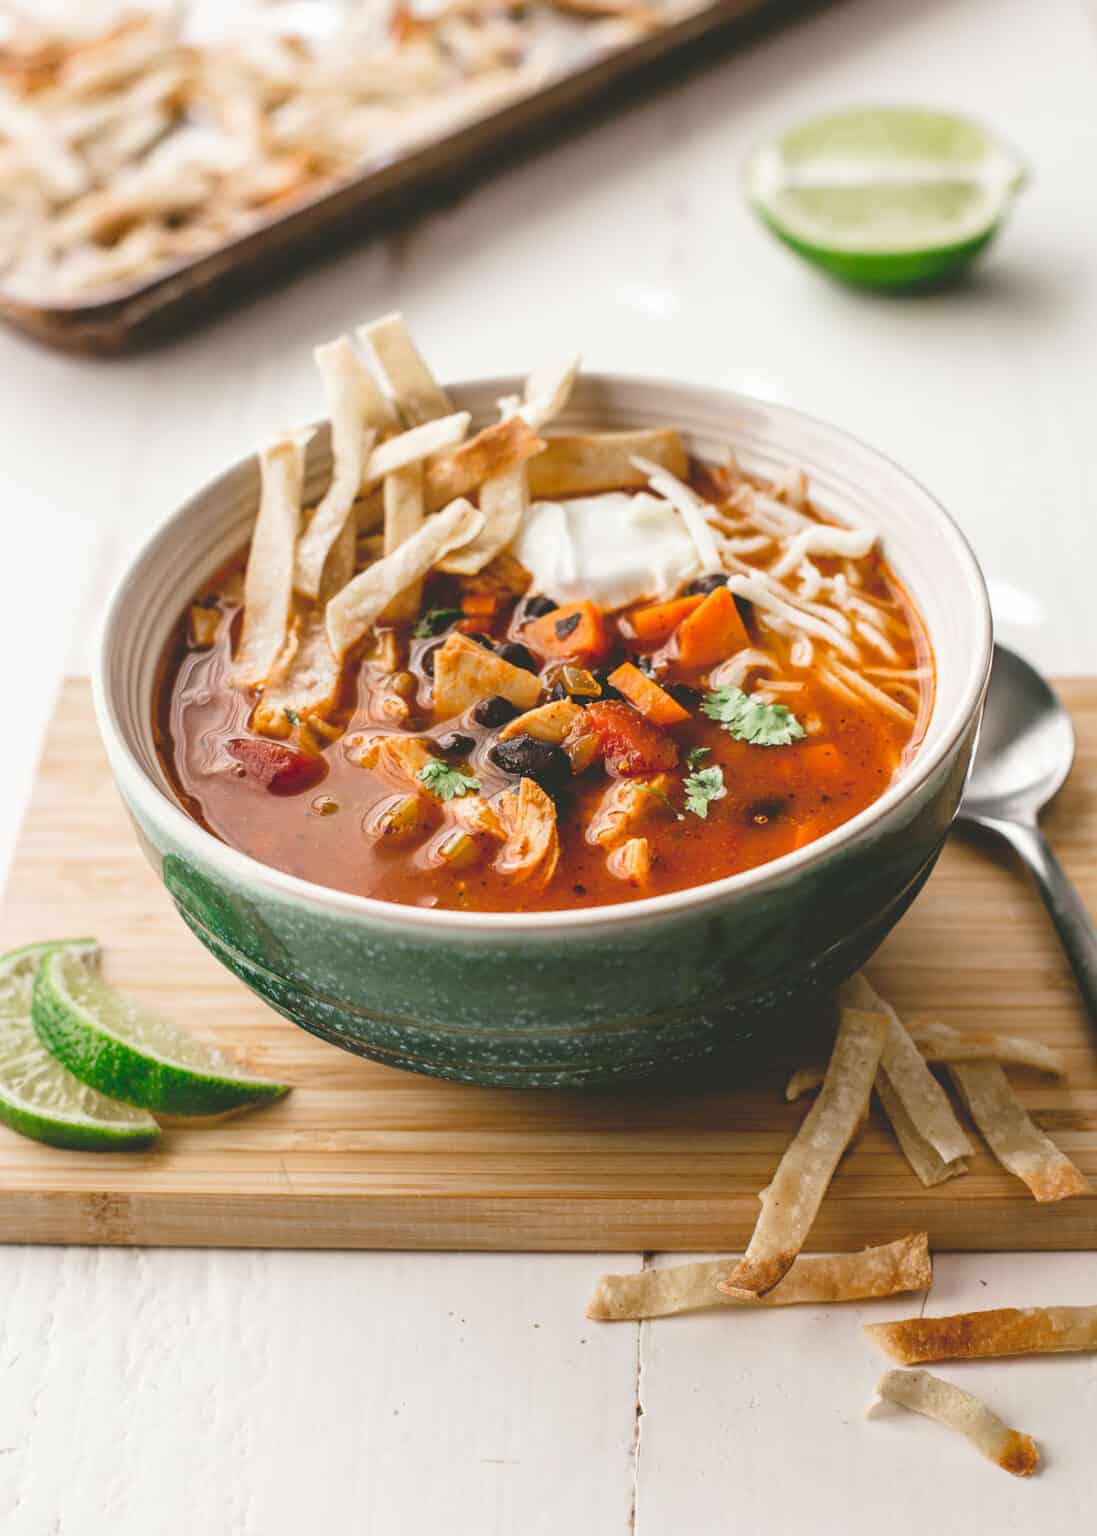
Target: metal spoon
1025	752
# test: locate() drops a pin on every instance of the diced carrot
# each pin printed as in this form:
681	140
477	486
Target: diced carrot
479	605
654	624
653	702
712	633
577	630
630	744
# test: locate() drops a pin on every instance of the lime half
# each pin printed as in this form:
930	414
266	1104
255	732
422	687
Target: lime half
888	197
118	1046
38	1097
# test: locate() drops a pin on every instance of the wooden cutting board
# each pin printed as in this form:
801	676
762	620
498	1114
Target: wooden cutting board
362	1156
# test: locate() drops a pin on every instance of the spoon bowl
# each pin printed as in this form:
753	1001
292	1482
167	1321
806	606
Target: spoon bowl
1026	745
1025	751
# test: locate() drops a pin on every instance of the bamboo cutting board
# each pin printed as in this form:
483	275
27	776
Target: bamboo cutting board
363	1156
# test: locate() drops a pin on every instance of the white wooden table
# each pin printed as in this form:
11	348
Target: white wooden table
273	1394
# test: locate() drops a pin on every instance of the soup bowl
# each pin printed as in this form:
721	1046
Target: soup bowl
567	998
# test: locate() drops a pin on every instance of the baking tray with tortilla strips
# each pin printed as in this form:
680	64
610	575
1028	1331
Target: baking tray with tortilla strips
129	242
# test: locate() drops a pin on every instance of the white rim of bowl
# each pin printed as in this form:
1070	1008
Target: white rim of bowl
242	867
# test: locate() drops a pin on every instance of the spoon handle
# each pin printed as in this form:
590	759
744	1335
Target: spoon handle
1073	922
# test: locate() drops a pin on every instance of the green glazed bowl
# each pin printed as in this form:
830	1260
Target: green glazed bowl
562	999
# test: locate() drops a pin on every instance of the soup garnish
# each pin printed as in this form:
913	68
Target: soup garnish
513	669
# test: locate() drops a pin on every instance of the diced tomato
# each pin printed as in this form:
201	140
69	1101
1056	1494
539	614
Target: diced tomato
630	744
282	769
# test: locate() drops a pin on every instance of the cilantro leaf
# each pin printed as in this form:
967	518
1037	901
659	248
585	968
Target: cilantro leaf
750	720
658	794
446	782
695	755
292	716
434	621
702	787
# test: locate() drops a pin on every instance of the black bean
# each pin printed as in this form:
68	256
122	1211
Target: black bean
706	584
646	665
558	691
745	607
608	690
537	607
518	656
525	757
485	640
683	694
426	659
453	742
494	711
568	626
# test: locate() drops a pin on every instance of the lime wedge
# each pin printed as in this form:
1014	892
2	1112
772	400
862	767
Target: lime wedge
887	197
38	1097
118	1046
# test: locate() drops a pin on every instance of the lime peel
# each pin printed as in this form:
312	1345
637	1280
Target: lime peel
39	1098
120	1047
885	197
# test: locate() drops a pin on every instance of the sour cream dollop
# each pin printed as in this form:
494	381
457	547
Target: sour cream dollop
614	548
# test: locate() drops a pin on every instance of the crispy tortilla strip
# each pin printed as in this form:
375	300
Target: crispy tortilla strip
546	393
503	501
548	722
904	1265
926	1161
465	673
944	1042
914	1085
418	396
924	1393
1016	1142
353	610
503	446
305	680
587	463
792	1198
980	1335
413	446
359	413
532	849
803	1080
268	583
403	498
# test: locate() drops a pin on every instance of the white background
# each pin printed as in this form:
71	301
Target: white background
278	1393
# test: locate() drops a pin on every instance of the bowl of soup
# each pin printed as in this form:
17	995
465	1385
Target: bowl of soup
597	726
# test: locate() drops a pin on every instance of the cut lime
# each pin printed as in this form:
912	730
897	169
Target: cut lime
38	1097
888	197
118	1046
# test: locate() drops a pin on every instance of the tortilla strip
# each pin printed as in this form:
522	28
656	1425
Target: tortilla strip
498	448
924	1393
792	1199
414	445
403	498
465	673
418	395
944	1042
904	1265
354	610
359	413
547	392
585	464
503	501
305	680
982	1335
921	1095
1016	1142
268	582
926	1161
